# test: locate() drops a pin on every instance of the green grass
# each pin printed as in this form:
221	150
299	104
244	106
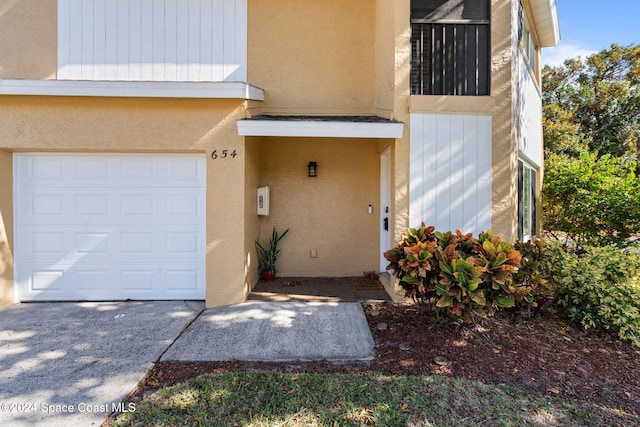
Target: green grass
278	399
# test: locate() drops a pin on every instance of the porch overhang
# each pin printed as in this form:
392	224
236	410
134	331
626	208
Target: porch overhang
321	126
545	17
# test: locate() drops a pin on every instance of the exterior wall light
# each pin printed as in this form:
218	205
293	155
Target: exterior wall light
313	169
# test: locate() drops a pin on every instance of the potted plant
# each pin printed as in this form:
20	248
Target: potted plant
268	255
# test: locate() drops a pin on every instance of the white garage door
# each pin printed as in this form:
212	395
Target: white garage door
109	226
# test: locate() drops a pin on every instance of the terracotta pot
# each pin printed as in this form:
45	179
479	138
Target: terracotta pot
268	276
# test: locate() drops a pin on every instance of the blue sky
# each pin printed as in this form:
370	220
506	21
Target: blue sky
589	26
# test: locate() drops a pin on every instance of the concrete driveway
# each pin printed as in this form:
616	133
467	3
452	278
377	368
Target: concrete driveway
69	364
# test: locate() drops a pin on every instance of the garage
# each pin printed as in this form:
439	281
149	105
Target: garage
102	227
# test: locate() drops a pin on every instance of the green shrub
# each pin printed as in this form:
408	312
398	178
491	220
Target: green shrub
598	288
532	277
455	273
591	201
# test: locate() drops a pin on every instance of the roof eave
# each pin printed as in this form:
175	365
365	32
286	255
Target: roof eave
545	17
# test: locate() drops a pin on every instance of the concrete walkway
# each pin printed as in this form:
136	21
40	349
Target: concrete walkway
275	332
72	364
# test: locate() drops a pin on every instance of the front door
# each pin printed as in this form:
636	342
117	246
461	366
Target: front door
385	206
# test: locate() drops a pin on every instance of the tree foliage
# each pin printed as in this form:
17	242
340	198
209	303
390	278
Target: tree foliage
591	119
594	105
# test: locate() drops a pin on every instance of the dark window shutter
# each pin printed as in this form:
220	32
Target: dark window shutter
520	200
534	209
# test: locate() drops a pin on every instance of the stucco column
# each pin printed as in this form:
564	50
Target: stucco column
252	175
505	149
6	229
225	235
401	155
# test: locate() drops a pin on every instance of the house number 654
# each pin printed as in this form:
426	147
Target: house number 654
223	154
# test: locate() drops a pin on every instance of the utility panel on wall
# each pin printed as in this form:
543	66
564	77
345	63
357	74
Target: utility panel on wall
263	201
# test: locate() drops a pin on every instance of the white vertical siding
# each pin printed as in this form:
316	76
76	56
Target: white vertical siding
529	115
451	171
152	40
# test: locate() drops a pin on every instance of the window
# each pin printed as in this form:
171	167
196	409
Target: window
527	183
526	39
450	47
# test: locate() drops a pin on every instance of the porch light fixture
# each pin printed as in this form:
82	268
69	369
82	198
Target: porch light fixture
313	169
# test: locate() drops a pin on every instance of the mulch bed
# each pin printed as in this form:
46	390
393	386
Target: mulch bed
543	355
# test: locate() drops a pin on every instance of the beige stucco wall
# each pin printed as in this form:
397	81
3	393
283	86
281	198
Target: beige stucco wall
385	57
327	213
150	125
313	57
6	229
115	124
28	46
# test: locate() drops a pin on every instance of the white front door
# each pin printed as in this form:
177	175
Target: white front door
109	226
385	206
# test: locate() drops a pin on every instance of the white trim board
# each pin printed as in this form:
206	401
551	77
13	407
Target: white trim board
325	129
207	90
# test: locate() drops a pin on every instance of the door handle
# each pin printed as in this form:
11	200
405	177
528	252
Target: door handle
385	223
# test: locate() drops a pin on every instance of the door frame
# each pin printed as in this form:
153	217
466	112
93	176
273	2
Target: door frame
385	205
